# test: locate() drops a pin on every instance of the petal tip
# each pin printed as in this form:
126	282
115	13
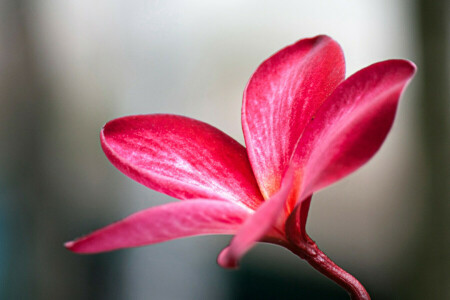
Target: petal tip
410	65
404	64
226	260
75	247
413	65
69	244
321	37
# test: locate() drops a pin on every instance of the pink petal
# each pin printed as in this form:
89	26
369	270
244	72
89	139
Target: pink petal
280	98
296	223
351	124
163	223
256	227
181	157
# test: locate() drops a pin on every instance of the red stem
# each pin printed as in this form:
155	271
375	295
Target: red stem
315	257
302	245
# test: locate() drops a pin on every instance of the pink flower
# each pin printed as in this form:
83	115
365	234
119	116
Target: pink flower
305	127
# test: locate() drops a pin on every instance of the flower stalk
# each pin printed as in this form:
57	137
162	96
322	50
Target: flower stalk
303	246
309	251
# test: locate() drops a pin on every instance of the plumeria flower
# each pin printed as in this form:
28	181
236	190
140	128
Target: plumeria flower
305	127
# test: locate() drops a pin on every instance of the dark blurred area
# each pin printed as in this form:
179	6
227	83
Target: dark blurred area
68	67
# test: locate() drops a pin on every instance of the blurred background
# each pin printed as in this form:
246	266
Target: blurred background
67	67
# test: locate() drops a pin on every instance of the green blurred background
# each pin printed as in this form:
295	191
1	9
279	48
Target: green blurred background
67	67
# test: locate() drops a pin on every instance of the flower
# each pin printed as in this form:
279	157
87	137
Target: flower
305	127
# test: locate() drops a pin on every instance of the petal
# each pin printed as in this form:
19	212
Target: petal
181	157
296	223
279	100
163	223
257	226
351	124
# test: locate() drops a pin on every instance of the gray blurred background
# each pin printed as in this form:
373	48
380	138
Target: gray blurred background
67	67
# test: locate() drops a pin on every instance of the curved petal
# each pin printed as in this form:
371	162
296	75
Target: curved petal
257	226
181	157
279	100
296	222
163	223
351	124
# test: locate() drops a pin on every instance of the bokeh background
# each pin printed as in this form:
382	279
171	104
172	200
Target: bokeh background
67	67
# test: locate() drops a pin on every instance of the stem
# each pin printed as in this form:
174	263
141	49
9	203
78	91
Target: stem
309	251
302	245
